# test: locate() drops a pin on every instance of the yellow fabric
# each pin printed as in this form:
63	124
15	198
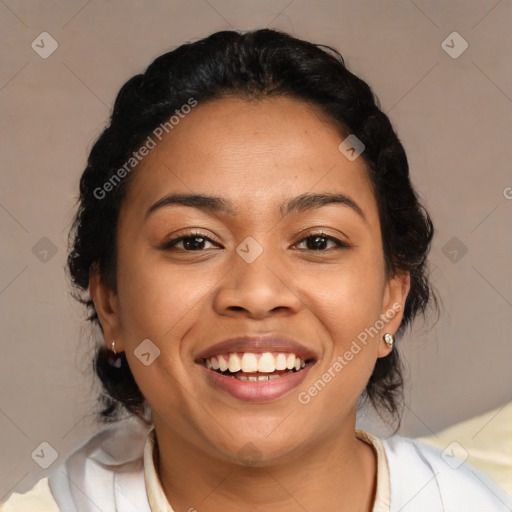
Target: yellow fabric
488	441
37	499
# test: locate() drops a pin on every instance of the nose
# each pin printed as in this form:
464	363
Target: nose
258	289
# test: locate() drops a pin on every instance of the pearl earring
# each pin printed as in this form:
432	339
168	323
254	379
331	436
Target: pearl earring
114	347
389	340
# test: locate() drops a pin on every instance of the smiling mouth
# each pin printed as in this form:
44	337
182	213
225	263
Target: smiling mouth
256	367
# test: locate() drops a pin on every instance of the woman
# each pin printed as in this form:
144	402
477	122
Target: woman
252	247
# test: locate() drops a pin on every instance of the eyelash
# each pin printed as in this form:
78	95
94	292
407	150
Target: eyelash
170	244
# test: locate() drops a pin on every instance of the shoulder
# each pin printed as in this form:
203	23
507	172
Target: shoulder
422	477
38	498
107	468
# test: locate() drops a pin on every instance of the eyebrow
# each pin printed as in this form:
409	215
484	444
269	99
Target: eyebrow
216	204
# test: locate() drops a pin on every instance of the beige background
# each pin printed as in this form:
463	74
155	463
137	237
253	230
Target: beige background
454	117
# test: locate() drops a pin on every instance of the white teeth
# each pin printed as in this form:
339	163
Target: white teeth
266	363
253	378
249	362
223	364
234	363
281	362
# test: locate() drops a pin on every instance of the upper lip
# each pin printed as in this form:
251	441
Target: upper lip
258	344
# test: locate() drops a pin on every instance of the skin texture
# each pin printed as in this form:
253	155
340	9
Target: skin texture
258	154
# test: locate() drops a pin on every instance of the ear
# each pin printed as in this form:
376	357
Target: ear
106	304
395	293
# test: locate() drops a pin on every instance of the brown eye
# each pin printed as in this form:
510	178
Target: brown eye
318	242
190	242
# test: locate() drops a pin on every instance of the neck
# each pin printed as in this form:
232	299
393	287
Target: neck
338	473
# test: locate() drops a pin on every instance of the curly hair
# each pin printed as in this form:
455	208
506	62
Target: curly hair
250	65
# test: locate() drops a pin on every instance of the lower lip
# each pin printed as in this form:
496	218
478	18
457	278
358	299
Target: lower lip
259	391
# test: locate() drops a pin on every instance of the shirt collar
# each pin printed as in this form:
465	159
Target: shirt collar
156	496
382	501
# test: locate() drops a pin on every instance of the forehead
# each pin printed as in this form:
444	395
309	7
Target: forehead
254	152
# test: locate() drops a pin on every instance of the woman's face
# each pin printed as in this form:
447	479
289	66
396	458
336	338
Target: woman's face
251	270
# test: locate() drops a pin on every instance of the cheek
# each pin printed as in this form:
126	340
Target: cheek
156	299
159	305
347	304
346	299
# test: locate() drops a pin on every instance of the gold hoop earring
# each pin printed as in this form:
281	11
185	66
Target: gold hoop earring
389	340
115	359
